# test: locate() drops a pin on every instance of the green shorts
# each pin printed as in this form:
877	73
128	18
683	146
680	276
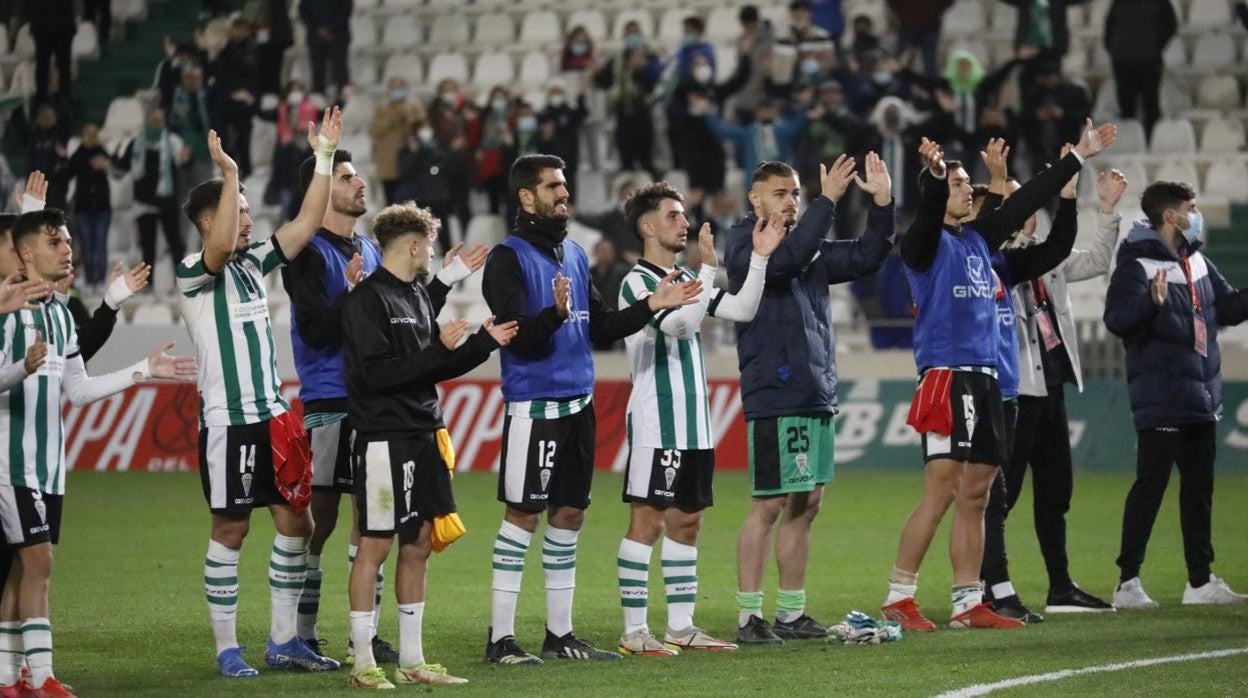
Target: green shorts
790	454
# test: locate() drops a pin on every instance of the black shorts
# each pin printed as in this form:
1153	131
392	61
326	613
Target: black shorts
236	468
331	456
29	517
400	484
670	477
547	462
979	434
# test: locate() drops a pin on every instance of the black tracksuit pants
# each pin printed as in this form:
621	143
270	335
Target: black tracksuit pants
1193	447
995	568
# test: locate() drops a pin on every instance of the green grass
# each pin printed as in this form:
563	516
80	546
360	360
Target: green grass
130	618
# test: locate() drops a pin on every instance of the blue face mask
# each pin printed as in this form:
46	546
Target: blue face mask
526	124
579	48
398	95
632	41
810	66
1195	227
689	40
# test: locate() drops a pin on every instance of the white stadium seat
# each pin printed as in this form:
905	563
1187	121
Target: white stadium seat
1173	136
24	45
1209	14
398	32
594	22
358	112
405	65
124	117
1222	136
966	18
495	29
1005	18
535	69
449	30
485	229
1213	52
86	43
541	28
1131	140
1219	92
670	23
23	79
363	68
1175	55
448	65
722	24
363	31
1178	171
493	69
1225	181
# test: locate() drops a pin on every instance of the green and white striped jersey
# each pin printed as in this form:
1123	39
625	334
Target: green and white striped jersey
669	406
32	439
227	315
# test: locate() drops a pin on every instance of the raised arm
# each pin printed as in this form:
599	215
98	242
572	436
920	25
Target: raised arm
1094	261
846	260
607	325
743	305
918	246
1034	261
295	235
220	242
82	389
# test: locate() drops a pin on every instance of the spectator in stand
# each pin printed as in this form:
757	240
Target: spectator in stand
697	149
235	75
606	274
99	13
805	35
52	26
865	40
46	151
770	137
918	28
630	77
153	158
1041	25
835	131
756	41
827	15
274	34
93	208
898	129
496	141
884	79
422	176
1136	34
291	115
614	226
1053	112
568	119
578	51
457	127
692	46
169	70
189	118
393	122
329	36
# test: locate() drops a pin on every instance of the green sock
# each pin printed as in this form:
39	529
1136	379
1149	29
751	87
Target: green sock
750	603
790	605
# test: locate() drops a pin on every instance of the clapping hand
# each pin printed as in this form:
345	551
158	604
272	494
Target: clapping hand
670	294
16	294
835	180
179	368
878	183
1110	187
1096	138
768	234
504	333
996	155
932	156
706	246
36	354
453	332
331	129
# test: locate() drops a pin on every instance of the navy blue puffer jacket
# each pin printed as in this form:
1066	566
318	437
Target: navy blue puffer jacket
1168	381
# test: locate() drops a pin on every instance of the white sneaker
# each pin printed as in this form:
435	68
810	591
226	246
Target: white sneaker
1216	591
1131	594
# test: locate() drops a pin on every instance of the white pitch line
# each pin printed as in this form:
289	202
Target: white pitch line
984	689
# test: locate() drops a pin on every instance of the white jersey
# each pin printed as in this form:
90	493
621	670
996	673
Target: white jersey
668	407
32	438
227	314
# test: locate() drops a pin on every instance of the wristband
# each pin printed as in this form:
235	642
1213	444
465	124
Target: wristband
454	272
30	203
141	371
325	156
117	293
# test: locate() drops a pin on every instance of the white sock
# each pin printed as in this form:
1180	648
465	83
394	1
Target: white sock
966	597
380	588
362	638
288	568
680	581
899	592
1004	590
559	562
37	639
221	589
411	652
11	653
633	568
509	549
310	599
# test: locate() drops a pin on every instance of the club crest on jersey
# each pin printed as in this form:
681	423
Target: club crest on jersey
801	459
544	476
669	474
407	500
246	480
979	286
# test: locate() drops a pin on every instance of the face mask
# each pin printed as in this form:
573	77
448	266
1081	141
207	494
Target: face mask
632	41
527	124
810	65
1195	227
398	95
295	97
425	134
882	77
689	40
498	104
579	48
448	96
555	100
702	73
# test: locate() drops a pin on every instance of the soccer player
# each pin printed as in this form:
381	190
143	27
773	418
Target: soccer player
671	448
43	344
788	377
1166	301
547	381
317	281
958	407
395	354
253	452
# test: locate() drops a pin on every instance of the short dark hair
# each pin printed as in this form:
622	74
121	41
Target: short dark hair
800	5
397	220
1159	196
203	198
35	222
695	23
748	14
772	168
308	166
950	166
526	171
647	199
6	223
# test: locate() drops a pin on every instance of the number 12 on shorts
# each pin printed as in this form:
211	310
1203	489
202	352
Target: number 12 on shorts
546	454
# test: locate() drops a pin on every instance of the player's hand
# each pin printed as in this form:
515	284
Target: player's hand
1160	289
768	234
355	271
1095	138
453	332
16	294
878	183
179	368
1071	189
503	333
1109	187
932	157
36	354
996	156
835	180
36	188
562	295
669	294
331	128
219	157
474	257
136	278
706	245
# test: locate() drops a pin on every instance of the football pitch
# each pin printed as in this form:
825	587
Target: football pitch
130	619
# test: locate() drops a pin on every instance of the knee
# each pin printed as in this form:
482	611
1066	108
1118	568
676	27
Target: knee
645	531
805	507
767	511
415	551
36	563
231	534
567	518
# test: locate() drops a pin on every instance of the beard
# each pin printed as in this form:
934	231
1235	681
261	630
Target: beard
550	211
676	246
347	206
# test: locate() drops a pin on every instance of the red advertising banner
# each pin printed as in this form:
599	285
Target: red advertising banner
155	427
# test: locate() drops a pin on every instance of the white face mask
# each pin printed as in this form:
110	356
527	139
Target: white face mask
425	134
295	97
703	73
555	100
